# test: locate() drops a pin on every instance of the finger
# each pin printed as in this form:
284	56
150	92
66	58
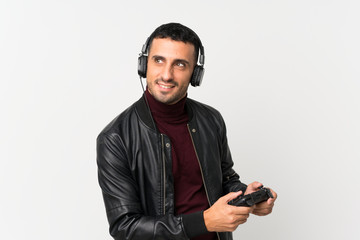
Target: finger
241	221
252	187
270	201
252	208
263	205
230	196
242	211
243	217
266	204
274	194
256	185
262	212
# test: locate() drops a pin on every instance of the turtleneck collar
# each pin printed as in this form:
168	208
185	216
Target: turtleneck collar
174	113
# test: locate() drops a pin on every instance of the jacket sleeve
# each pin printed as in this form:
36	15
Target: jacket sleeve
231	180
123	206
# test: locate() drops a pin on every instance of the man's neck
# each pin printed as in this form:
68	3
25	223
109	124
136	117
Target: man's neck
172	112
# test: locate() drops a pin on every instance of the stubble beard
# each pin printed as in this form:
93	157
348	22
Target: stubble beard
167	98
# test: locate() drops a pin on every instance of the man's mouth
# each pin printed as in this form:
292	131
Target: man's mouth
165	86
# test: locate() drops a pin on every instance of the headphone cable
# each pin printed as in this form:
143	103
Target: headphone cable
147	104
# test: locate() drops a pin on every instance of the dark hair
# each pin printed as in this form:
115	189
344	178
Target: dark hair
177	32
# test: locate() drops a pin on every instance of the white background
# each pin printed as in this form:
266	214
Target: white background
284	74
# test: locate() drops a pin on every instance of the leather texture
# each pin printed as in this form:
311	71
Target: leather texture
135	171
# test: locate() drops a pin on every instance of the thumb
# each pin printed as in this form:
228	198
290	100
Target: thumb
230	196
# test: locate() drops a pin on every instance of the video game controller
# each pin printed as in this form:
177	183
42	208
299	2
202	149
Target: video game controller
253	198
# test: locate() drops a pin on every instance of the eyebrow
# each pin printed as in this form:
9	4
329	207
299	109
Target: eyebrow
175	60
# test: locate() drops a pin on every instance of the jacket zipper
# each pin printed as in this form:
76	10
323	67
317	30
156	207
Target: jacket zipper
164	173
202	175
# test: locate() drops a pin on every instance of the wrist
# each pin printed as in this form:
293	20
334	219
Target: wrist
207	220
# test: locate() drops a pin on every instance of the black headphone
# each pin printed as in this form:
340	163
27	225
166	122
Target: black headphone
198	72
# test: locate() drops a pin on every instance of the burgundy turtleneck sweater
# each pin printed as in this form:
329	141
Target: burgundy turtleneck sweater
189	191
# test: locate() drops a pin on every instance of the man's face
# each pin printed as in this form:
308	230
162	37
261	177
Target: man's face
169	69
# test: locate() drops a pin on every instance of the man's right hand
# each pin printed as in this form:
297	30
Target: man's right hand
222	217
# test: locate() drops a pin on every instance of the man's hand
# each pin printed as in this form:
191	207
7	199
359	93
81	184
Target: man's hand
264	208
222	217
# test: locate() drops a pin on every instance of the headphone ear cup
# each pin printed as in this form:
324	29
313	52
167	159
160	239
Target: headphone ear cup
142	66
197	76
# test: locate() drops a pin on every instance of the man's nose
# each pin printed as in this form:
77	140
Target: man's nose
167	73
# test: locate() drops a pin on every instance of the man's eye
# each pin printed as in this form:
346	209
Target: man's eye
158	60
179	64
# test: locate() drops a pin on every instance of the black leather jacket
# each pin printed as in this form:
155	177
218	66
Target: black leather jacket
135	173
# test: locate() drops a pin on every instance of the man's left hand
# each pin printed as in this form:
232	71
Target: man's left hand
264	208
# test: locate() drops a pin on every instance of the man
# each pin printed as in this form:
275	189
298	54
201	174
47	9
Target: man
164	164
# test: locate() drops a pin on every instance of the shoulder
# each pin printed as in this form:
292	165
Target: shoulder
119	121
134	117
199	109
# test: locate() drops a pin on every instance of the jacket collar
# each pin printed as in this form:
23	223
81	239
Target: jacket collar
145	114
